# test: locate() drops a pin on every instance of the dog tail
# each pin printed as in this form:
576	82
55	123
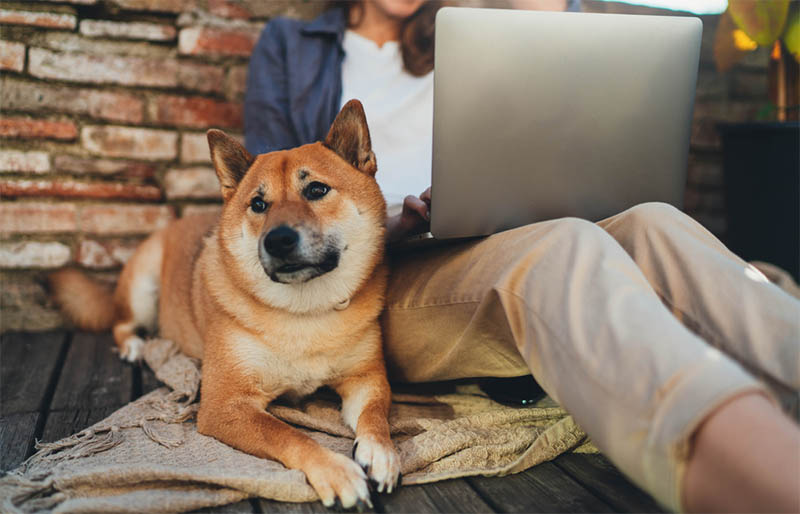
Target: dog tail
86	303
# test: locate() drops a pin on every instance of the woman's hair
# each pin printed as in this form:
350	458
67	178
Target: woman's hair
416	34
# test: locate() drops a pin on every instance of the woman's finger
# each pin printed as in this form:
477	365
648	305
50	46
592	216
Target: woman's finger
426	196
412	204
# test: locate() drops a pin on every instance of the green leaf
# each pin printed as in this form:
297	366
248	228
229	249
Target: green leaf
791	35
762	20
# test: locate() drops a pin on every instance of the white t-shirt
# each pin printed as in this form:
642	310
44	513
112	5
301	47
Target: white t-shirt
399	109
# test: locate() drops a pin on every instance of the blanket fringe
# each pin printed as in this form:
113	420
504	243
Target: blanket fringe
175	407
16	490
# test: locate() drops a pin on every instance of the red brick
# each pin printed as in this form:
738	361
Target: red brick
138	143
291	8
229	9
12	56
128	71
195	112
201	210
30	128
174	6
80	165
33	254
217	41
35	217
200	182
236	82
23	95
123	219
205	78
105	254
76	189
194	148
127	30
99	69
38	19
16	161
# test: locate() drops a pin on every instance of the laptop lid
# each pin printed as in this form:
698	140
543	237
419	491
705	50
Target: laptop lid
540	115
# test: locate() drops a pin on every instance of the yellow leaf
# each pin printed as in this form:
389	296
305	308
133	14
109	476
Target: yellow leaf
743	42
761	20
791	35
726	52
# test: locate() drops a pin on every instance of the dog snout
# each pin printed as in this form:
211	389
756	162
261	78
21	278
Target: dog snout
281	241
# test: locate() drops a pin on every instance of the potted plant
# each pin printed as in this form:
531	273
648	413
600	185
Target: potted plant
761	159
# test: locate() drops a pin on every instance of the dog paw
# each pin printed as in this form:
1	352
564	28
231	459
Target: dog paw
133	349
380	460
339	480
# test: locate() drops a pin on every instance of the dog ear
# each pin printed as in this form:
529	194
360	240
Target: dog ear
349	137
231	160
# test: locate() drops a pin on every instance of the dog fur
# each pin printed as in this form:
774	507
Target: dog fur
265	322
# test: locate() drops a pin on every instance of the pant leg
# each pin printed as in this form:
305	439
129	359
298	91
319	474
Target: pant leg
563	300
721	297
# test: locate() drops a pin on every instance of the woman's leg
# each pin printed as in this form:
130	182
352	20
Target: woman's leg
563	300
745	456
726	301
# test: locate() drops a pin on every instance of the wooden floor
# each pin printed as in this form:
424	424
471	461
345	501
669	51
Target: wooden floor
55	384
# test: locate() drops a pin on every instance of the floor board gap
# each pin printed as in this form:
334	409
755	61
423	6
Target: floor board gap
44	407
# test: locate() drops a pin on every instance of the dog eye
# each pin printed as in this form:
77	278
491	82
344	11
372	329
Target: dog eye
258	204
316	190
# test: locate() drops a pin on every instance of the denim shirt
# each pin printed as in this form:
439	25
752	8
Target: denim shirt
294	81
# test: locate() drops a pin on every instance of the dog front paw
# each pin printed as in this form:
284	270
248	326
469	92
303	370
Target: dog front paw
133	350
379	459
336	477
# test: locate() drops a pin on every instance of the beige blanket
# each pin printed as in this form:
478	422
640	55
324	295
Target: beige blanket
148	456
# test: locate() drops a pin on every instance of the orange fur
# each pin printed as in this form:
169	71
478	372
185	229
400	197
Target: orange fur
87	304
263	332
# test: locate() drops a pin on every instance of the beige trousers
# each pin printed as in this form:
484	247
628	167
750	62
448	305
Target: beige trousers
639	325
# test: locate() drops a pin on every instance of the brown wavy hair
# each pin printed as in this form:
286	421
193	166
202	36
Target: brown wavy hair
416	34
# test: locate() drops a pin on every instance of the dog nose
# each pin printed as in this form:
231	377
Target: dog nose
281	241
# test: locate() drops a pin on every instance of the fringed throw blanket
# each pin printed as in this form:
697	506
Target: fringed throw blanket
148	456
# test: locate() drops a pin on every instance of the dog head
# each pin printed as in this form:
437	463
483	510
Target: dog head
302	228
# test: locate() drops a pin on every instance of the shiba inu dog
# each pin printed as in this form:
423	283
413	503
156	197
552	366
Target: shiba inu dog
278	295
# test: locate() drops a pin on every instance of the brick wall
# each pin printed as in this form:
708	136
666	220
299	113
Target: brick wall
105	104
104	108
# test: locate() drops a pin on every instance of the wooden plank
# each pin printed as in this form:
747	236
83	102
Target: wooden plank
291	508
16	438
93	375
94	382
242	506
63	423
27	363
149	380
446	496
543	488
597	474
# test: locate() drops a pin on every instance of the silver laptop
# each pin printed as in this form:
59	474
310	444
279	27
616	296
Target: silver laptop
541	115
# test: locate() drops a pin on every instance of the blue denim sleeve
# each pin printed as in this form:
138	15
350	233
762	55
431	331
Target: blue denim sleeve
267	123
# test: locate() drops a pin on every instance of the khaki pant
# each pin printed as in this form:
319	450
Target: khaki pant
639	325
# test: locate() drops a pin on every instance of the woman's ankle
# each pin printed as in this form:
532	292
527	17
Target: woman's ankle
745	457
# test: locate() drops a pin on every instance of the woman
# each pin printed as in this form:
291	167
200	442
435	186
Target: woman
581	306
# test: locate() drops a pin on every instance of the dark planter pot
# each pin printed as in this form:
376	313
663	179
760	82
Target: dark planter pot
761	164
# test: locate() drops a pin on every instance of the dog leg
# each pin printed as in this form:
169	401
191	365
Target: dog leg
365	408
136	297
239	419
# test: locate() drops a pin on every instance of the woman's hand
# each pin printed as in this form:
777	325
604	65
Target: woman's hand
414	219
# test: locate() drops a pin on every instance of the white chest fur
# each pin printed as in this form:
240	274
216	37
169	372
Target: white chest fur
294	362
